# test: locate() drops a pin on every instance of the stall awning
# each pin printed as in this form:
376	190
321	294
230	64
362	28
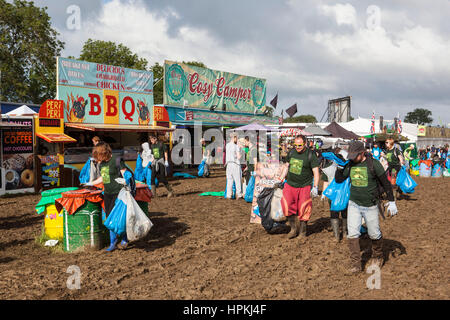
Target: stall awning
115	127
56	137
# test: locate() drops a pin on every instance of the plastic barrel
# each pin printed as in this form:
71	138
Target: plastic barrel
424	169
84	228
53	221
437	171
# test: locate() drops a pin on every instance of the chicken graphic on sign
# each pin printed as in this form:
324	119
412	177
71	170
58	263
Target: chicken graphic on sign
144	115
77	112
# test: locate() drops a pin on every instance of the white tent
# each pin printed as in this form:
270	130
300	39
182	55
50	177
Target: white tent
21	111
361	127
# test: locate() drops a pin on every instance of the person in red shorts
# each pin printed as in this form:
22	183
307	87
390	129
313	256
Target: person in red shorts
301	167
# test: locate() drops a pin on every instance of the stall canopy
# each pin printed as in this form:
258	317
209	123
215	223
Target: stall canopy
339	132
56	137
21	111
255	126
315	130
116	127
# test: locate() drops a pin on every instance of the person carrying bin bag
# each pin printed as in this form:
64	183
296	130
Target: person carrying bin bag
366	175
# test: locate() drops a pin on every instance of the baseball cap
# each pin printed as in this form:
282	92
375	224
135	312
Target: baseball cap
355	148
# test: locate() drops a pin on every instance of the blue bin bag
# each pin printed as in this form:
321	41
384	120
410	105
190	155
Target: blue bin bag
342	196
201	168
85	174
233	194
405	182
250	189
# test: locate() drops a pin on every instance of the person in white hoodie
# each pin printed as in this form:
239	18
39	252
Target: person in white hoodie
233	166
143	164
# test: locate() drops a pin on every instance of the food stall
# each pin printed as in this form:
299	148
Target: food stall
50	142
111	102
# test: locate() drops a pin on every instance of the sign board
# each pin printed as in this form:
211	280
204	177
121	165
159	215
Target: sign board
196	87
50	171
222	118
99	93
339	110
422	131
267	175
50	122
17	155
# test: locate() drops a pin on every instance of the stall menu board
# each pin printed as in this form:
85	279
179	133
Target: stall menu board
104	94
267	175
196	87
50	171
18	159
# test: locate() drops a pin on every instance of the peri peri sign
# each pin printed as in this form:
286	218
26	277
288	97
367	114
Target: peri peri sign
99	93
196	87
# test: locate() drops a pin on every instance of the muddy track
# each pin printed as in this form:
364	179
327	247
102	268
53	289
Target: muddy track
205	248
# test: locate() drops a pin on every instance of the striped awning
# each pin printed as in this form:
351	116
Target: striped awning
116	127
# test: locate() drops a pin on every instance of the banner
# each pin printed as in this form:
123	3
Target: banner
207	117
267	176
196	87
18	161
422	131
99	93
50	171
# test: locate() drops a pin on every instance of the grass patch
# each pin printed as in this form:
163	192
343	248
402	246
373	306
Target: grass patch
42	238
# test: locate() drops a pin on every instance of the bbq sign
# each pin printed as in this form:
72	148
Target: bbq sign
196	87
98	93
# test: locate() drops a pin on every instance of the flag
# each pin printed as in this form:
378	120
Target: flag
372	127
399	126
274	101
292	110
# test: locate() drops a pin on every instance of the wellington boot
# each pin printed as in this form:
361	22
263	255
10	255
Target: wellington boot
355	255
335	226
377	253
294	224
169	191
344	228
113	239
303	228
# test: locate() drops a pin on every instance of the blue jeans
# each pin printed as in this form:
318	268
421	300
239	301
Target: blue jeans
355	214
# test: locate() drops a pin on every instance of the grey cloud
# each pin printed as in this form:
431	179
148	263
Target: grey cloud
277	29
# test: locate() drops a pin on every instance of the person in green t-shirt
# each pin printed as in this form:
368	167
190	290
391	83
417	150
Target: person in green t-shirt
109	171
161	161
364	171
395	162
301	167
251	158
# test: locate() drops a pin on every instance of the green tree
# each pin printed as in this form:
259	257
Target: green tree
158	85
28	51
306	118
195	63
108	52
419	115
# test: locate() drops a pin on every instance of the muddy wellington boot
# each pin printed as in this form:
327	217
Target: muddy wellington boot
294	224
154	191
355	255
303	229
169	191
377	253
344	228
335	226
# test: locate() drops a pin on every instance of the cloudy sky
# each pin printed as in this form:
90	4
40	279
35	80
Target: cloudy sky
390	56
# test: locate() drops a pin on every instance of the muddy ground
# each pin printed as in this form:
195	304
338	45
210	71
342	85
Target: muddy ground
205	248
